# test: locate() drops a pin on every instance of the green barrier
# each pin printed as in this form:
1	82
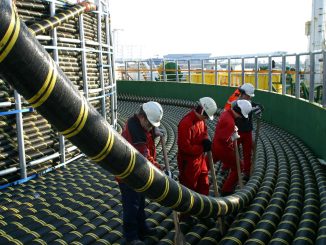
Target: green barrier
304	119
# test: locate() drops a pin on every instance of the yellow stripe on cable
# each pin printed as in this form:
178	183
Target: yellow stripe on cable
201	205
40	241
48	90
194	234
233	239
80	122
255	240
9	31
166	191
191	201
106	149
96	237
149	181
12	41
264	231
44	86
130	167
59	21
64	15
77	233
279	240
218	206
71	14
248	221
240	229
40	27
179	198
50	23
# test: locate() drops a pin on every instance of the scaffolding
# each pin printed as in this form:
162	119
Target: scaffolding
83	48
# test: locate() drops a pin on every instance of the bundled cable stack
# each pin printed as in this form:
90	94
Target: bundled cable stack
40	139
90	27
8	148
70	63
8	137
82	203
32	11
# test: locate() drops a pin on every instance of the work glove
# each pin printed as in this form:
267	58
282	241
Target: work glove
207	144
159	132
235	136
258	110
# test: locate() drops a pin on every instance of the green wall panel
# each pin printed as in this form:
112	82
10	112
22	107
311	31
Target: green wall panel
301	118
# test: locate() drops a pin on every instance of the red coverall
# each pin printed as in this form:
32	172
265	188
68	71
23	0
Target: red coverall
192	162
223	148
232	98
141	139
245	132
133	203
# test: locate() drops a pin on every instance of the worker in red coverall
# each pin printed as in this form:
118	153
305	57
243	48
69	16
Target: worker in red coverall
245	126
193	142
223	147
140	131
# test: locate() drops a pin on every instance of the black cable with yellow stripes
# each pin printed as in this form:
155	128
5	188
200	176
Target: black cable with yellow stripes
48	24
27	66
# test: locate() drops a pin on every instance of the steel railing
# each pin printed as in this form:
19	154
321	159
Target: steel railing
300	74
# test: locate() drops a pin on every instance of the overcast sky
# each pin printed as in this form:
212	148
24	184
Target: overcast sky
220	27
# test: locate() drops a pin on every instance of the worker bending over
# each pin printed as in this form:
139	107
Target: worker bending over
140	131
226	133
245	126
193	142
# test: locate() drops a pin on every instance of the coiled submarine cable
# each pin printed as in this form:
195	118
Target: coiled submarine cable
26	65
246	222
272	214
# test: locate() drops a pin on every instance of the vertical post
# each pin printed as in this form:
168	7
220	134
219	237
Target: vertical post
56	59
164	72
202	72
242	70
270	68
229	72
312	78
189	71
138	70
324	79
177	70
256	72
215	71
20	136
99	40
297	76
284	74
151	68
113	97
126	71
83	54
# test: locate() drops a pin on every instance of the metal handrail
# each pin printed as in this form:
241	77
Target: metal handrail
288	74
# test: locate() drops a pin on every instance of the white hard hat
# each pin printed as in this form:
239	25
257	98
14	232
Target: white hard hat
244	106
248	89
154	112
209	106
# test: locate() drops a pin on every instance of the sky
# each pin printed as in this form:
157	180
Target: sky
219	27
